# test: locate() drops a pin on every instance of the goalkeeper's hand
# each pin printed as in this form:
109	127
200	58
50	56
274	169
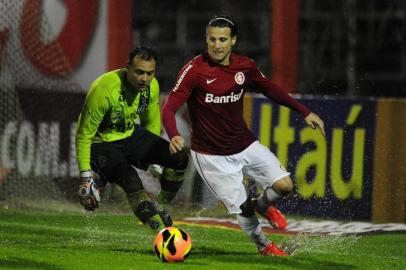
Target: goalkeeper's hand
89	194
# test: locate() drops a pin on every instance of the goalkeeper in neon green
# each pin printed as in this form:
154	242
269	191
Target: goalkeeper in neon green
118	130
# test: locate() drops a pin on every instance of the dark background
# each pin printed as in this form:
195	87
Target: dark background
346	47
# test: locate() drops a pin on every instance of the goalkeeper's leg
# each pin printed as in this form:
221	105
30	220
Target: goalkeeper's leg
171	179
153	149
112	161
171	182
144	209
173	173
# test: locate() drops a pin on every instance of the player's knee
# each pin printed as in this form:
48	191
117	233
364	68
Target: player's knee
176	171
171	180
128	179
182	160
283	186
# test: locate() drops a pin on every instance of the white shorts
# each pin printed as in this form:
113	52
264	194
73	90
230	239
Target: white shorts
224	174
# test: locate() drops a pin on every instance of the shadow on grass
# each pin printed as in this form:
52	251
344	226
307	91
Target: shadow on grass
21	263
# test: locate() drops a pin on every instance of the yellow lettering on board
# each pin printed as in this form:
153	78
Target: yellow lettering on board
284	136
342	188
316	158
265	125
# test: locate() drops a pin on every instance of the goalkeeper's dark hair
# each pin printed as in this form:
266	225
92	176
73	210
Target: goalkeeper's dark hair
223	21
144	52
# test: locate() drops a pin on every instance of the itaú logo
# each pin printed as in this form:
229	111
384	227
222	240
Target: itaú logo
210	98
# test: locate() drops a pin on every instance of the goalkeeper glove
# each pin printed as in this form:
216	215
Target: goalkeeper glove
89	195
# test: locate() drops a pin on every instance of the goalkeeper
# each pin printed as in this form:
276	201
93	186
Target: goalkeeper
118	129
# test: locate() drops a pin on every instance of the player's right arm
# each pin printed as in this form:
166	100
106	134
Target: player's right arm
93	111
177	97
96	106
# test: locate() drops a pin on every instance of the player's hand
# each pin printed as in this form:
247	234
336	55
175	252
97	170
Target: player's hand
176	144
315	121
89	195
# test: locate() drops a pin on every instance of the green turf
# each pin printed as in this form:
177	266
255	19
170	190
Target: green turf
32	239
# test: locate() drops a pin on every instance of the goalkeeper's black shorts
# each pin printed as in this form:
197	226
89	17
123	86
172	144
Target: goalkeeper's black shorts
113	160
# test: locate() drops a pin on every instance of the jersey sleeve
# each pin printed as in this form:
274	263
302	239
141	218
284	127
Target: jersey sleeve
151	119
177	97
274	92
95	107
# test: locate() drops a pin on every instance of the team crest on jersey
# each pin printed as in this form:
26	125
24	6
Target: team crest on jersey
144	100
239	78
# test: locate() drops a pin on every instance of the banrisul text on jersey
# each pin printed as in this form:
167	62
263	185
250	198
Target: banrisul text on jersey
210	98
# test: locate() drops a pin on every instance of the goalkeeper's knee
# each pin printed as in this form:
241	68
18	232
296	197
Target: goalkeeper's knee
171	181
128	179
180	160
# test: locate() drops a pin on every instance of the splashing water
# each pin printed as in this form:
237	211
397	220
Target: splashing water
91	230
199	213
303	243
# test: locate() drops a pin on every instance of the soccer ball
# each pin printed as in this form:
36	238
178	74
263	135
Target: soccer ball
172	245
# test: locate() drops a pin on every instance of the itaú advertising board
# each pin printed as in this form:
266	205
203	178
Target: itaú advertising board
332	174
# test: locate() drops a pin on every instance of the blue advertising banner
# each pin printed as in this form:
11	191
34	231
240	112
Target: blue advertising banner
332	174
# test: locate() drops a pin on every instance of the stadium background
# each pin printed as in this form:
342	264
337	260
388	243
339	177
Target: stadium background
346	59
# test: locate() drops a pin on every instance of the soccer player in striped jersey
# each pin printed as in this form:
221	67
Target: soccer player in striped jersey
223	149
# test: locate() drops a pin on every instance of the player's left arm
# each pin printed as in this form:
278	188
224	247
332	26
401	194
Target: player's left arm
276	93
151	119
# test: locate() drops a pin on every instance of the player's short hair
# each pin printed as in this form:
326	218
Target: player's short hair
144	52
223	21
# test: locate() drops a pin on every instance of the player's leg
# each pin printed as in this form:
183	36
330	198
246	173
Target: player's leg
265	203
174	165
147	148
265	168
248	221
223	175
109	161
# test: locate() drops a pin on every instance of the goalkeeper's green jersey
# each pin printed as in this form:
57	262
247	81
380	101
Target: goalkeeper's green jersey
111	110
